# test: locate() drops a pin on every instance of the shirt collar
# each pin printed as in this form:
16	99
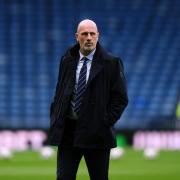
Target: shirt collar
89	56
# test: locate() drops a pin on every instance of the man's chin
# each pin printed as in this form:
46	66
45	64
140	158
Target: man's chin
89	49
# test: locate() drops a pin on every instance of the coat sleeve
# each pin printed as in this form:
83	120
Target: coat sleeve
118	93
59	81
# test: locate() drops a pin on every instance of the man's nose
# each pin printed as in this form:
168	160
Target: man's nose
89	36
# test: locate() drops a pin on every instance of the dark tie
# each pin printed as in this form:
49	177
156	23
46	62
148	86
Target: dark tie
81	86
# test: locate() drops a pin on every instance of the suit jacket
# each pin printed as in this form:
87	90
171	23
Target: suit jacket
103	103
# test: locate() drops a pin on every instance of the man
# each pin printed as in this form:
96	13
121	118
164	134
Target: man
90	97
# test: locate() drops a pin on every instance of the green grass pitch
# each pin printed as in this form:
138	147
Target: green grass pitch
132	166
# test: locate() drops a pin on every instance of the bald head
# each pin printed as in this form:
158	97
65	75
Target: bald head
87	36
87	23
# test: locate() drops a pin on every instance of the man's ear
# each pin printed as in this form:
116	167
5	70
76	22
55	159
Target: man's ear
76	36
98	35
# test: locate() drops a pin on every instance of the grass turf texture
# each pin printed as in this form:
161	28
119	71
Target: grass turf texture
132	166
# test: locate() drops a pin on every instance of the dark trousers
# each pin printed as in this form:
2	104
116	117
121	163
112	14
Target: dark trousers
69	157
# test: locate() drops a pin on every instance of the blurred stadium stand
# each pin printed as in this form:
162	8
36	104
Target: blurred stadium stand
34	34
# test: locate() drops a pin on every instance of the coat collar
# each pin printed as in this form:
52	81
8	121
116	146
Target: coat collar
73	52
72	57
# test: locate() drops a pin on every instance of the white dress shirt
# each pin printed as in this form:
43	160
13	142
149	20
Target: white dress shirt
80	64
72	114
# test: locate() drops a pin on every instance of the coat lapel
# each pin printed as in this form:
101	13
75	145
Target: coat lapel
96	67
71	68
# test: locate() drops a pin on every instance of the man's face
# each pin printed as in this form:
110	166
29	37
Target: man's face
87	36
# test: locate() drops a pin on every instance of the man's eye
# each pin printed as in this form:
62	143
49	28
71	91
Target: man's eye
84	34
92	34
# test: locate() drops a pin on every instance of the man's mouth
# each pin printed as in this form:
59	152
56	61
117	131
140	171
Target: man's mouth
89	44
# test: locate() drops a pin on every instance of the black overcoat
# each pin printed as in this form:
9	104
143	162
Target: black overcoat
104	100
